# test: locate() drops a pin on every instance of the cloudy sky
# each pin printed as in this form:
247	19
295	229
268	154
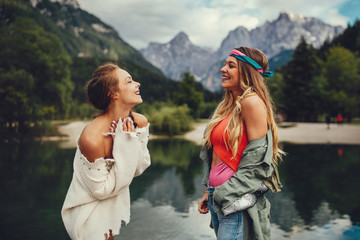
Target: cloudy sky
207	22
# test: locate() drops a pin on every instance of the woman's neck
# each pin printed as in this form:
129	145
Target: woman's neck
115	114
236	93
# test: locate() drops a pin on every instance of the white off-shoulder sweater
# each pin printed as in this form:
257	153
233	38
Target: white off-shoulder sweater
98	198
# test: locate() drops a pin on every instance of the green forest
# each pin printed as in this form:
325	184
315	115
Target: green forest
44	67
42	77
319	82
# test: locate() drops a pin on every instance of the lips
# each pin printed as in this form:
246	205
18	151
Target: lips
137	92
224	78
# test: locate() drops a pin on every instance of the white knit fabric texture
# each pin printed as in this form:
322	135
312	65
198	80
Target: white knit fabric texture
98	198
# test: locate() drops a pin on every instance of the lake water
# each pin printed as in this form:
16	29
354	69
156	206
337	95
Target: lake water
320	198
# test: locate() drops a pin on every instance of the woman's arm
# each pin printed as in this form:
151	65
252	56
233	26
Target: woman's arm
92	167
255	117
143	136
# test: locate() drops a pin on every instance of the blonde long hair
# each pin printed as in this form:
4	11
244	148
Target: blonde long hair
251	83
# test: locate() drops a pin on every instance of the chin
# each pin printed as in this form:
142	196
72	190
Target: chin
139	101
224	86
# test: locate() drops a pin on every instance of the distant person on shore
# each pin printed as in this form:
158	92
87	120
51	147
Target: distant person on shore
240	148
112	150
339	119
328	120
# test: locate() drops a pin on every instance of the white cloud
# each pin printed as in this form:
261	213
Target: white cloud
209	26
207	22
333	17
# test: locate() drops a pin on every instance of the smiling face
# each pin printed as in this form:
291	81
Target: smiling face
231	76
129	90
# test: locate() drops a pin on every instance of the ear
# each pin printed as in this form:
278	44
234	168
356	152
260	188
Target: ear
115	95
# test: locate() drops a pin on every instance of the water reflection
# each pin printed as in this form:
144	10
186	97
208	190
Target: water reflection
175	165
317	174
34	180
319	199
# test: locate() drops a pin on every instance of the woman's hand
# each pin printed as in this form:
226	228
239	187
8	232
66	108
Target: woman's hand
203	207
128	125
113	126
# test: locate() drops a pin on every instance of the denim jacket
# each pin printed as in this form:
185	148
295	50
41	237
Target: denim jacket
256	166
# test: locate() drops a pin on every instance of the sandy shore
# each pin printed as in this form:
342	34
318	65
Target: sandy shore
302	133
312	133
299	133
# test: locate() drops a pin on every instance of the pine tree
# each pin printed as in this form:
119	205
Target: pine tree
188	95
304	84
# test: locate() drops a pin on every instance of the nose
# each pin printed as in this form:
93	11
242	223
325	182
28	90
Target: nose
223	69
138	84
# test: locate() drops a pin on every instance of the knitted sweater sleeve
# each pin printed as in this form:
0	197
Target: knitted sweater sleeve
144	161
98	178
107	177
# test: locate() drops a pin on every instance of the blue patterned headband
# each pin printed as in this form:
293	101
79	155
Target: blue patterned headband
241	56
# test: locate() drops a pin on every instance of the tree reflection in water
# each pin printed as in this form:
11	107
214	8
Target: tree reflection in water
317	176
320	189
171	178
34	180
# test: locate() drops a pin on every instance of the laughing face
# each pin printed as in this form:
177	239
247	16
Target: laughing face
129	90
230	76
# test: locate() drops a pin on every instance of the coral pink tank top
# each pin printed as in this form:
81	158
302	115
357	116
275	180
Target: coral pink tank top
225	169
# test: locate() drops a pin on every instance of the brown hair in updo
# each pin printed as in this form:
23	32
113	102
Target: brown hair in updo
103	84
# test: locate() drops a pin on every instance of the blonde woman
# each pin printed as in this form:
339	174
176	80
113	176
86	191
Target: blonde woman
112	150
240	148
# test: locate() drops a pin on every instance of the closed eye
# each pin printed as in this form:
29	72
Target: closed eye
128	79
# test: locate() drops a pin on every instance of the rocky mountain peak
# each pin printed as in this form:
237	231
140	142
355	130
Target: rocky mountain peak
72	3
180	39
288	16
178	56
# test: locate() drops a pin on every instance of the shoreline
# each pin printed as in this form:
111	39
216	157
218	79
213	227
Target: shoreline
296	133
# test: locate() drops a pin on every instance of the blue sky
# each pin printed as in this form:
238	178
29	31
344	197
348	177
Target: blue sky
350	9
207	22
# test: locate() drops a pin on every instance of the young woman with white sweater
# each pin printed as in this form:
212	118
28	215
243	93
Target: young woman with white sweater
111	151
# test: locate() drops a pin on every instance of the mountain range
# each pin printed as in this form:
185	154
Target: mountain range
81	33
276	39
84	35
178	56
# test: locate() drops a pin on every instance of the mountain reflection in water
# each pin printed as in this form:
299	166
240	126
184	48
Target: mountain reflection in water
319	200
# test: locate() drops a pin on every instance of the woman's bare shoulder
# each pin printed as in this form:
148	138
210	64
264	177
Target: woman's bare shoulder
91	141
255	116
140	120
253	101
